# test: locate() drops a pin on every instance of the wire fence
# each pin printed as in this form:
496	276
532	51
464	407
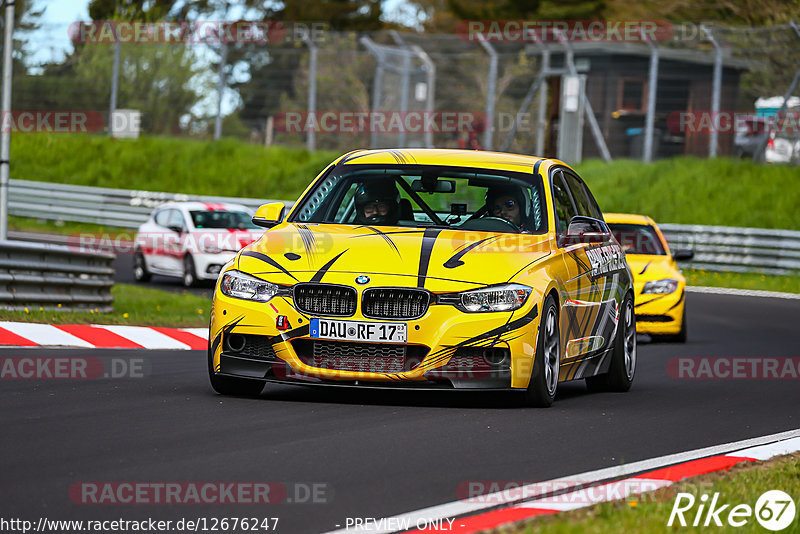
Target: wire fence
683	89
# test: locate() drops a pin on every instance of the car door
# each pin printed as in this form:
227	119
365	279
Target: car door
174	242
600	267
152	236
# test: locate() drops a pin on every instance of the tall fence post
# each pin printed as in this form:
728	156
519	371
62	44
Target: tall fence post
652	86
541	111
716	89
488	132
220	90
377	93
112	106
5	134
312	88
430	72
405	80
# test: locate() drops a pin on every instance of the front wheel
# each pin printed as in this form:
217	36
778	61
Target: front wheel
623	358
541	390
189	273
140	272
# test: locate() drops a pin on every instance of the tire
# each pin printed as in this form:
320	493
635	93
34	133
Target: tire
140	272
541	391
189	273
680	337
229	385
621	373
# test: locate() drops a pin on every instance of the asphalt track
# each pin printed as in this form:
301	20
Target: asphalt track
379	453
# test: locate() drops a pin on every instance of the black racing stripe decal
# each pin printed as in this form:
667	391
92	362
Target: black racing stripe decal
300	331
645	267
651	300
267	259
386	233
509	326
683	294
455	260
385	238
291	256
428	239
309	241
223	331
324	269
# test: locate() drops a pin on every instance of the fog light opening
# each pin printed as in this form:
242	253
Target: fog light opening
236	342
497	357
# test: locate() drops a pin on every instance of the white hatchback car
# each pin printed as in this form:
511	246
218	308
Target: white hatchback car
191	240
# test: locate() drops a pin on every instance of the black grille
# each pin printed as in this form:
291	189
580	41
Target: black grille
255	346
394	303
325	299
654	318
364	357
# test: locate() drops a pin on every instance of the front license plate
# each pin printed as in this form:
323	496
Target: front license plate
358	331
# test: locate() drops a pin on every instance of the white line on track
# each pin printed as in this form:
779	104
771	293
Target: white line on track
742	292
462	507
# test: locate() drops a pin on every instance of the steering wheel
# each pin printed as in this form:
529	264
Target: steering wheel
495	224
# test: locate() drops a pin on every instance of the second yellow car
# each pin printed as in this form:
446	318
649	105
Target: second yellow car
658	283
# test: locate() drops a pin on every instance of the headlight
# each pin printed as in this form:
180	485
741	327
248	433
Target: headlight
665	286
493	299
243	286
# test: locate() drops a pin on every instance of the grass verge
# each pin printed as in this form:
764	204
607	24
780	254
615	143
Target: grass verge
718	191
650	512
133	305
764	282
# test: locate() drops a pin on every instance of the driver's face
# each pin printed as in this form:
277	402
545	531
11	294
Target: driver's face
379	207
507	208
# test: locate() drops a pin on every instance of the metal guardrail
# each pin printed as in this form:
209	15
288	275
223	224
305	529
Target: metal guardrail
729	248
34	275
98	205
717	248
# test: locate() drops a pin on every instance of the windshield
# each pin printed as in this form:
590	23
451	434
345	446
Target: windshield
427	196
638	239
222	219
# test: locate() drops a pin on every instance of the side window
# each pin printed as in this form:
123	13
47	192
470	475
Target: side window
580	195
161	217
564	210
176	219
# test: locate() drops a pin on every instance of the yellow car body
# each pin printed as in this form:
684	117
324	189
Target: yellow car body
657	314
444	347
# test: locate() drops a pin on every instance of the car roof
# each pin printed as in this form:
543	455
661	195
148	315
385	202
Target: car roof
204	206
449	157
628	218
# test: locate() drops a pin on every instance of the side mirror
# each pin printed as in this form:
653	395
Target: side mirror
269	215
683	255
586	230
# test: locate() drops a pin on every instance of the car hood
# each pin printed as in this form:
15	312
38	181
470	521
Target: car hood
647	267
436	259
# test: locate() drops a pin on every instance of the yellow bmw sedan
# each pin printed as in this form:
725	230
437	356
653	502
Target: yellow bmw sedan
660	286
425	268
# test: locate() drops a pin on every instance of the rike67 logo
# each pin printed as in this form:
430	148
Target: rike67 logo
774	510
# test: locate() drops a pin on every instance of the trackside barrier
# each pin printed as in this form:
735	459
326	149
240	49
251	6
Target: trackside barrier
34	275
728	248
717	248
97	205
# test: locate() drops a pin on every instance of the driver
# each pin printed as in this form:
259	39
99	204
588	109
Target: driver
377	203
507	203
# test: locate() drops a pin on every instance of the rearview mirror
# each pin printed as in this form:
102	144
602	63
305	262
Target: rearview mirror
269	215
683	255
586	230
441	186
